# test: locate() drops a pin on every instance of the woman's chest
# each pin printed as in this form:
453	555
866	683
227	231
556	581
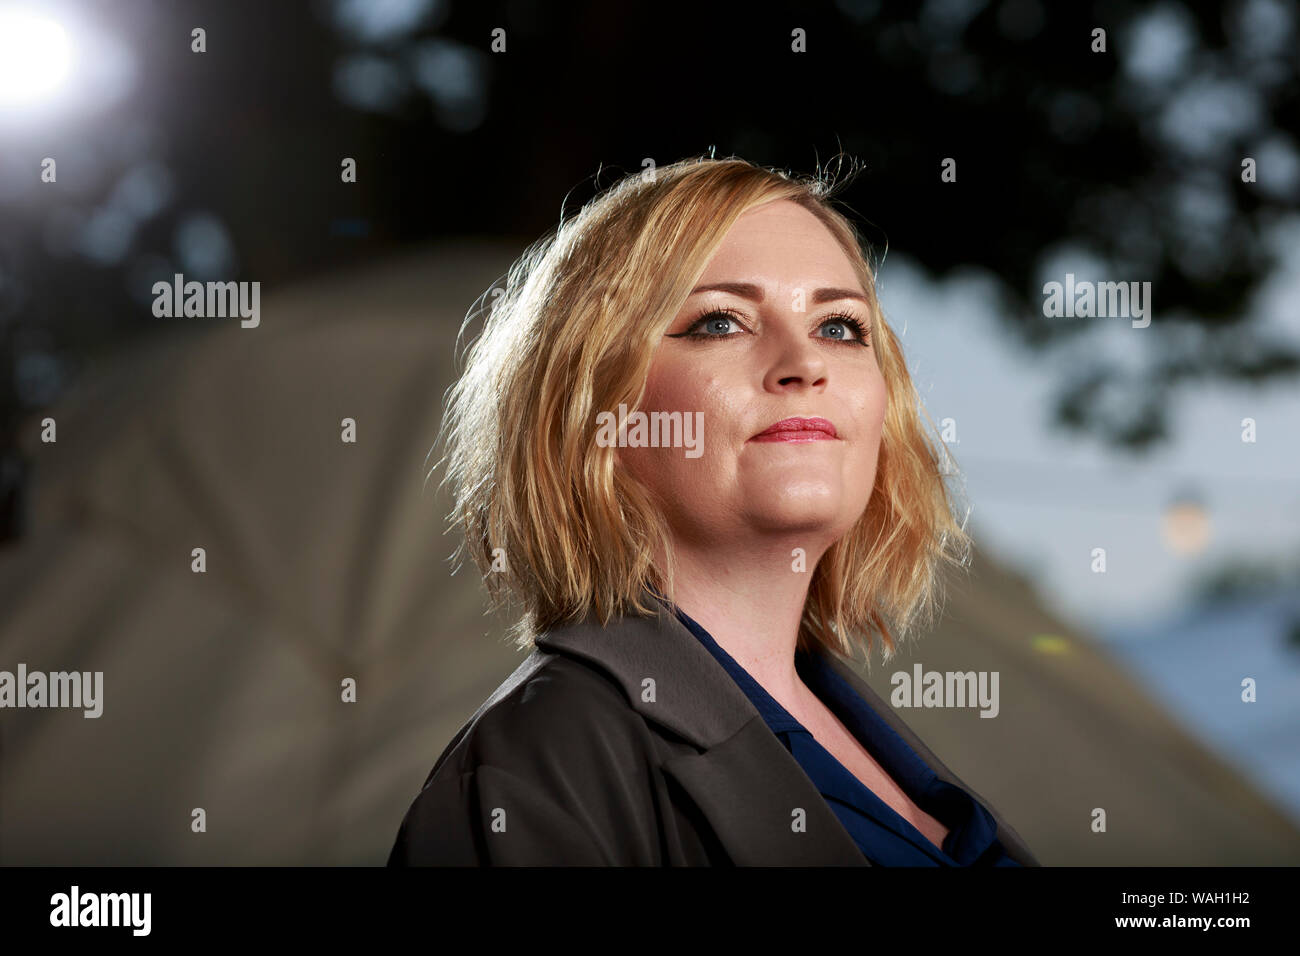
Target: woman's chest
828	731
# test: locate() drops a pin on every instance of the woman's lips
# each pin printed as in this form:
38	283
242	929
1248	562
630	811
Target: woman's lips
798	429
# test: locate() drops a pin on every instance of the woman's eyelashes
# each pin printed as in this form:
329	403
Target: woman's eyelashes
718	323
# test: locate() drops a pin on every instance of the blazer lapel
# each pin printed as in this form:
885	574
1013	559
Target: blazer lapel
760	803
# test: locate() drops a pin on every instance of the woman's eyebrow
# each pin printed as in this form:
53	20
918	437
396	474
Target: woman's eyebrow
747	290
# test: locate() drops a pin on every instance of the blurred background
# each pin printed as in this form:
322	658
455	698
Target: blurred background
1134	492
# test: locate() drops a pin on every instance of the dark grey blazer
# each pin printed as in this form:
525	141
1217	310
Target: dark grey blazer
630	745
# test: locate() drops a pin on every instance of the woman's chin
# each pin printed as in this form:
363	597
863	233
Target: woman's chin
799	515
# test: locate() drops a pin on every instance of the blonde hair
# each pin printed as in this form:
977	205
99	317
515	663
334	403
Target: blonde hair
573	333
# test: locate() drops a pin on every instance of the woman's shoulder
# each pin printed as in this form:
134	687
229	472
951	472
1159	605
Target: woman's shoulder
552	706
555	765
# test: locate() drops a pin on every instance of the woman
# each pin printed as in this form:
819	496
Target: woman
695	571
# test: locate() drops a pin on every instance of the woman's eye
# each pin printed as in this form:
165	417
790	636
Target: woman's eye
717	324
845	328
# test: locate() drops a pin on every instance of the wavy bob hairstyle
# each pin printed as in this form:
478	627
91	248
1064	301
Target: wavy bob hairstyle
548	516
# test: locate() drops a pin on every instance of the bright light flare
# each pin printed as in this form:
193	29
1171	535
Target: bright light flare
34	57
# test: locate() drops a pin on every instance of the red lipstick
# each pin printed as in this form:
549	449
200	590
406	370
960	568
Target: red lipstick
798	429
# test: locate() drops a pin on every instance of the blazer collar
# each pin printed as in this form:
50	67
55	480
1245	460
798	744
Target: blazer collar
759	802
748	785
691	694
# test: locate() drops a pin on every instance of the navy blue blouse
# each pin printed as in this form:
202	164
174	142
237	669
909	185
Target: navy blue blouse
884	837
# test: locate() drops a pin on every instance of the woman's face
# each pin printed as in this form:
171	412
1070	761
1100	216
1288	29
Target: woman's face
774	345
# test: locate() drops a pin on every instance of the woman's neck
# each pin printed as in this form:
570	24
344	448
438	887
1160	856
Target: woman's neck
751	601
